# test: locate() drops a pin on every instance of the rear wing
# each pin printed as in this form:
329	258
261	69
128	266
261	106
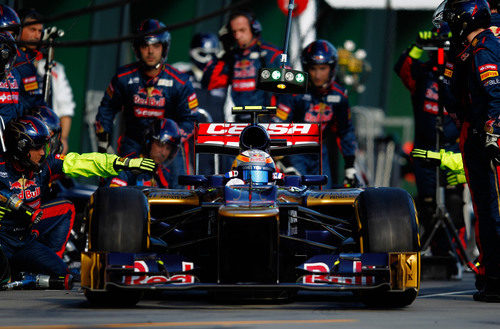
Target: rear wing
224	138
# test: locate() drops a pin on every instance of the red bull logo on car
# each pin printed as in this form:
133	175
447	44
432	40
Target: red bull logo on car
142	266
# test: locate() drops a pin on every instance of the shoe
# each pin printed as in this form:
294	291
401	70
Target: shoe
488	297
490	293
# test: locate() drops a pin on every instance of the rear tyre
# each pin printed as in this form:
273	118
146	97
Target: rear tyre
117	223
388	224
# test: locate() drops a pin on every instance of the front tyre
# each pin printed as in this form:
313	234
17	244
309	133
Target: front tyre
117	222
388	223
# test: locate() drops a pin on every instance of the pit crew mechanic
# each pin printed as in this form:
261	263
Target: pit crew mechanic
147	90
61	95
30	92
421	79
33	235
479	92
162	146
325	103
10	80
244	54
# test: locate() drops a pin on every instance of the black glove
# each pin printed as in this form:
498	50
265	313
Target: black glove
492	149
137	164
102	142
226	38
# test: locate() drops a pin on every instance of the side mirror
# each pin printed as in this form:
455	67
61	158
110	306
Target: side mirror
283	81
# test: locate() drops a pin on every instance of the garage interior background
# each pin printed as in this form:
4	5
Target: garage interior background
384	33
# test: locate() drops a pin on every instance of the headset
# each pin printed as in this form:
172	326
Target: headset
255	25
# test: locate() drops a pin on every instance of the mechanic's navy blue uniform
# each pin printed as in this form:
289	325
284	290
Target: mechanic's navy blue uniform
30	83
159	178
143	100
331	109
239	69
21	245
10	105
419	78
495	24
482	112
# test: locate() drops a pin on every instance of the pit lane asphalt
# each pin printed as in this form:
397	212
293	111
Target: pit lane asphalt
443	304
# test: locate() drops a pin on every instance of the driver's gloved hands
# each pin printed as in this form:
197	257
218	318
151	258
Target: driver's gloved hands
350	178
136	164
430	157
492	149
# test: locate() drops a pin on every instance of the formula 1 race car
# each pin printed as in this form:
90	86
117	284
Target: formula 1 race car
252	240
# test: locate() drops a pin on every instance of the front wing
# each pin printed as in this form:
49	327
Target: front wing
394	271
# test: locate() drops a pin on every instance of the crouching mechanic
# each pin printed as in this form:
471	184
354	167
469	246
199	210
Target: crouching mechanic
326	104
161	147
33	235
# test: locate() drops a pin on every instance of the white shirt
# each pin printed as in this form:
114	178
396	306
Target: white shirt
62	95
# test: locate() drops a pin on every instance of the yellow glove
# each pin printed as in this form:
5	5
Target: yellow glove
455	179
136	164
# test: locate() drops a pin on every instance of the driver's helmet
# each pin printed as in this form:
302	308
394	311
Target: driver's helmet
255	167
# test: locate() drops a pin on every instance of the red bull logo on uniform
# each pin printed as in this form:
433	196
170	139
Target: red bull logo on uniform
151	101
244	69
25	189
319	113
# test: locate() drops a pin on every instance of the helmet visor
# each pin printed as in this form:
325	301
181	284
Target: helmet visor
257	177
438	16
